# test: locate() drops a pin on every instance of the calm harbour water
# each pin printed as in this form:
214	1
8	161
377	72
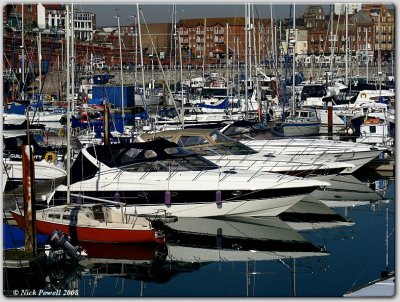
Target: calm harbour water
356	254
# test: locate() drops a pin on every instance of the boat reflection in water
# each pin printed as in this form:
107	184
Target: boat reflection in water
192	244
310	213
237	239
348	191
328	207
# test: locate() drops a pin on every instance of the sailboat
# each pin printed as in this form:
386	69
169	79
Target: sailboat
94	222
300	121
89	222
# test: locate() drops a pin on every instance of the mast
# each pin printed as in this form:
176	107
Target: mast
379	52
249	45
276	42
121	73
181	74
39	38
254	40
331	38
366	50
272	37
136	45
67	35
175	74
246	56
140	46
204	50
294	61
23	56
227	59
347	44
72	59
238	65
161	67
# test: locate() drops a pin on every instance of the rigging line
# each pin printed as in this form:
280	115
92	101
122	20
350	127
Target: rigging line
45	75
13	190
30	238
364	269
161	68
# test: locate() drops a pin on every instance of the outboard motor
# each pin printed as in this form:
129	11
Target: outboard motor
59	239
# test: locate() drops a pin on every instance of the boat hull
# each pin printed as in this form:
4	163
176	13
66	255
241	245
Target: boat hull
92	233
254	208
300	129
43	171
358	155
182	202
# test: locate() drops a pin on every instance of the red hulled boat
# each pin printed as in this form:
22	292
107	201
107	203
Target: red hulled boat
95	223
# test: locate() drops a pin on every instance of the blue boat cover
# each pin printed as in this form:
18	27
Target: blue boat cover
222	105
16	109
14	237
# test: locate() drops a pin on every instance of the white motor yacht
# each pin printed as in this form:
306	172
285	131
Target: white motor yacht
159	175
229	153
263	140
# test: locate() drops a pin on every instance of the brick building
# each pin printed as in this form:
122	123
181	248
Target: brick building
211	38
12	16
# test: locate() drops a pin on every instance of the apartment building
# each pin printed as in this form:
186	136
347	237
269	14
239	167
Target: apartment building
224	39
48	18
13	13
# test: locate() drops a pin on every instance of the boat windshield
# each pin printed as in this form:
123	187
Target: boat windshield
251	131
186	163
221	145
260	127
148	160
235	148
245	129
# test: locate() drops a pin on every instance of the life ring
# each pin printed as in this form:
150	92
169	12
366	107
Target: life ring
363	95
50	157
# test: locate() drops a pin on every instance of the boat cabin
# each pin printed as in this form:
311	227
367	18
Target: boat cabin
245	130
88	214
158	155
203	141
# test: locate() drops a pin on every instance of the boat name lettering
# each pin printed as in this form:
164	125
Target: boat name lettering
19	156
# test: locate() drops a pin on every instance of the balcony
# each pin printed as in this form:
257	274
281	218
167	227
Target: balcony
218	40
332	38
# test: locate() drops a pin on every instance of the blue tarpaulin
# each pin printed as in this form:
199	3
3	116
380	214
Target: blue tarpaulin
16	109
222	105
14	237
113	94
95	101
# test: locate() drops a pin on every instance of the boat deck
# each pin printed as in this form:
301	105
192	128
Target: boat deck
378	288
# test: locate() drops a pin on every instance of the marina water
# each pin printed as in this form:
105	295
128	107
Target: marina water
355	255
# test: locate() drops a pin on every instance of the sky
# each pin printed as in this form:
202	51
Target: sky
161	11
